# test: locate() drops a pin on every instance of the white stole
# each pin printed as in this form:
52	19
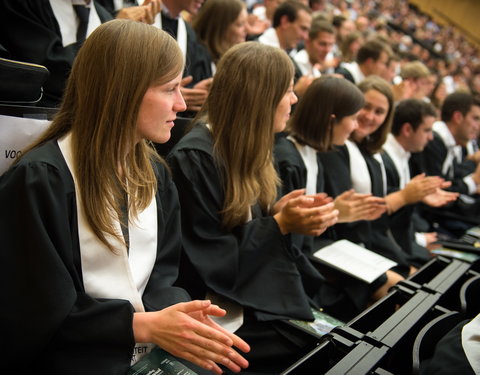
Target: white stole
378	158
471	343
309	157
119	275
359	174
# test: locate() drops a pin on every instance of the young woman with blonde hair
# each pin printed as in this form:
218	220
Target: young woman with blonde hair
236	235
91	244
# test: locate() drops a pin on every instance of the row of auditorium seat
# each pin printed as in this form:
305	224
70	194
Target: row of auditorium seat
398	332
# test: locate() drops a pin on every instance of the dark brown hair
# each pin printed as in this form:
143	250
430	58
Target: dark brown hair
374	142
326	102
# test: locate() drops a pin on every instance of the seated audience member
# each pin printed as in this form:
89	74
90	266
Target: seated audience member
320	120
236	237
411	131
474	83
457	352
343	26
438	95
326	116
228	29
319	5
358	165
350	46
92	283
291	23
443	156
198	67
311	60
372	59
393	69
49	33
145	11
415	82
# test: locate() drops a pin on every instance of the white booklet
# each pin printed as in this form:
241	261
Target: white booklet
354	260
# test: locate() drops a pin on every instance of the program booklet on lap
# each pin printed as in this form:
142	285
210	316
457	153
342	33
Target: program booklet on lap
354	260
159	362
322	324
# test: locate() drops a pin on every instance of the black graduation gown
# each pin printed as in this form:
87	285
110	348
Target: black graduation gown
253	264
30	33
401	222
49	323
375	235
432	159
449	356
293	173
451	216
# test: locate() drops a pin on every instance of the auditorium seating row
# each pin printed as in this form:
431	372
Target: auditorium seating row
395	334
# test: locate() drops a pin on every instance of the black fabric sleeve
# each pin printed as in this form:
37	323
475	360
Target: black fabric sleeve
49	322
251	264
160	292
433	157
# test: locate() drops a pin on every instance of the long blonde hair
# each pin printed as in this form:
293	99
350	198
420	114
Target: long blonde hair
119	61
250	81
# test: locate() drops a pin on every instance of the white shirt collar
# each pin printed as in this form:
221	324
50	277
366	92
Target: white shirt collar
309	157
303	62
68	21
355	71
400	158
359	173
270	38
444	132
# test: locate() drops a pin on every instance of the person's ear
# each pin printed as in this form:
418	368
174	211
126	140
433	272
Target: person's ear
457	117
407	129
284	21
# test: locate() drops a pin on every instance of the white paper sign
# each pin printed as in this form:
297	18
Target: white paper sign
15	134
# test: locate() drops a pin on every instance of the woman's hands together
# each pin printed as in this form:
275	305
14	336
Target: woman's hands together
186	331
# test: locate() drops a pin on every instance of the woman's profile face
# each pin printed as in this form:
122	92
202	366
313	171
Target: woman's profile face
158	111
344	128
237	31
282	114
372	115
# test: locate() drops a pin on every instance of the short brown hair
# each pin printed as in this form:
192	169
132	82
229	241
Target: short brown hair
372	49
326	102
289	8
